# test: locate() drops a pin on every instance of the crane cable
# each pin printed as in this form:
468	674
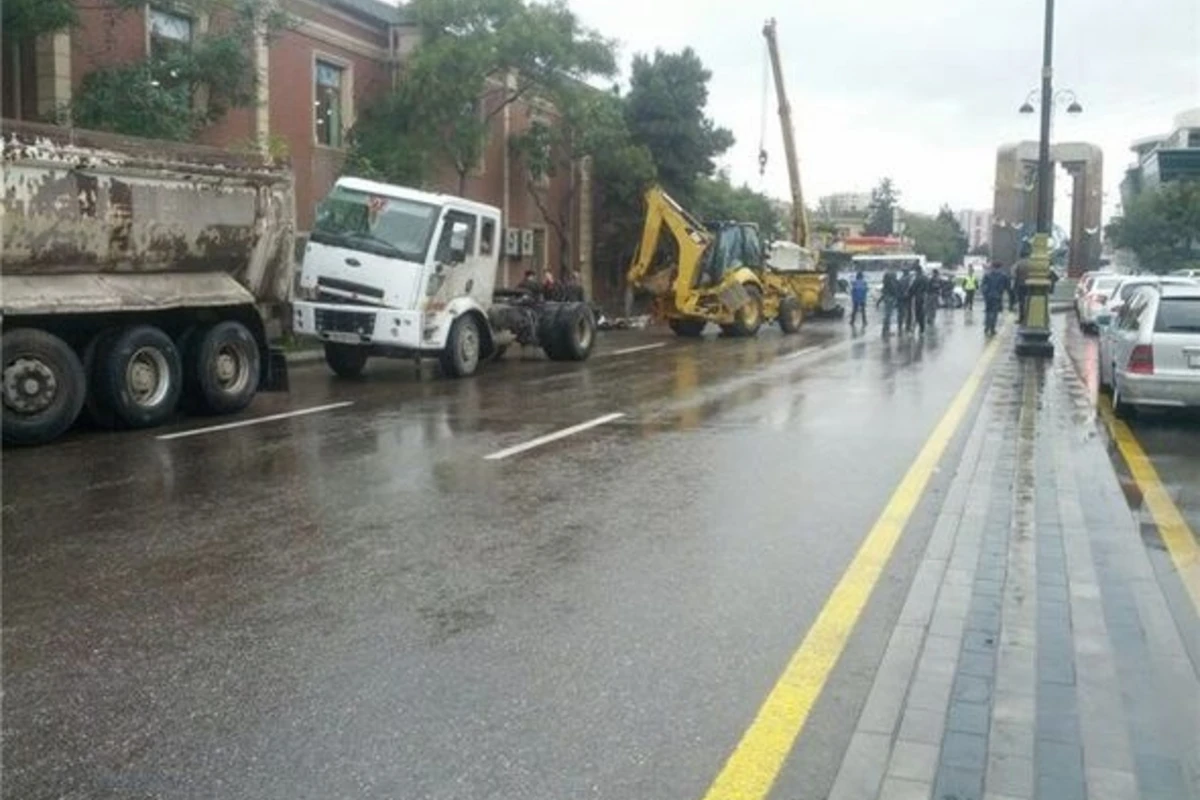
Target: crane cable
762	129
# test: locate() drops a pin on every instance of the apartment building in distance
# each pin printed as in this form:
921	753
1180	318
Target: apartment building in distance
333	60
977	225
1165	157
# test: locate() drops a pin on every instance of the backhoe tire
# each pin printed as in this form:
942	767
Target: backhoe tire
346	360
573	333
791	315
688	328
138	376
43	386
749	318
221	367
464	346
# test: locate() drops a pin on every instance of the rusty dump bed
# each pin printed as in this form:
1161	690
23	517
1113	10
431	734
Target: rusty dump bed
96	222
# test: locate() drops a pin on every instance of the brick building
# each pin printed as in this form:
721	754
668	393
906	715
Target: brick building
333	60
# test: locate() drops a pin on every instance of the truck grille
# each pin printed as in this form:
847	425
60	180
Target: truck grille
362	323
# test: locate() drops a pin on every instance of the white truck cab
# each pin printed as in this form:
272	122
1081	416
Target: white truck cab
391	270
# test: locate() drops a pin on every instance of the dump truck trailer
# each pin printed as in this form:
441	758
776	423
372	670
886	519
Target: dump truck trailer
139	277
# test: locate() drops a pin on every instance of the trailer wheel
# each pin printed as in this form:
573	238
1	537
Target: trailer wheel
43	384
748	319
222	367
791	314
573	332
463	346
688	328
138	376
93	407
346	360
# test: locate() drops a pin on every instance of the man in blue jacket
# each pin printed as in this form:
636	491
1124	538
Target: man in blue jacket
993	287
858	299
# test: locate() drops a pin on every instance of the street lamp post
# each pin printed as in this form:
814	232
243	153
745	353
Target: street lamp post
1033	337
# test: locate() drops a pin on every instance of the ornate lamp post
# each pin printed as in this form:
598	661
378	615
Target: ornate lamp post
1033	338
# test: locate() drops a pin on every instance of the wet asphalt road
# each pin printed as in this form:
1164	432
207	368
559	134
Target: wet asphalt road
356	603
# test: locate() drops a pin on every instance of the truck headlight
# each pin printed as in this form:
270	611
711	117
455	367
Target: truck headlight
306	292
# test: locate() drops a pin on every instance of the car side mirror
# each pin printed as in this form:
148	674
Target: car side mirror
458	243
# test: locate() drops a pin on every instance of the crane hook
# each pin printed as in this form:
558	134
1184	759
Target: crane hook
762	162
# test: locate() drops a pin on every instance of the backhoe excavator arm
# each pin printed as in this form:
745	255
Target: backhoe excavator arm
691	240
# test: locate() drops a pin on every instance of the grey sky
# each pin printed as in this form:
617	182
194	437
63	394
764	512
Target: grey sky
922	90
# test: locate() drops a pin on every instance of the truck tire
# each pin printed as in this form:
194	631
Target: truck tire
791	314
573	333
346	360
688	328
747	319
43	385
100	414
222	365
138	376
463	346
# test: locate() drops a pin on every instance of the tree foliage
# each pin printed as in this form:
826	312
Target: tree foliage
881	214
939	238
1161	227
173	94
476	58
22	20
718	199
665	109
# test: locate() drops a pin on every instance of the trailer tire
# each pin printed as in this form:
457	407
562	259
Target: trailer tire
687	328
94	409
573	333
747	319
346	360
44	386
463	348
791	314
222	366
138	376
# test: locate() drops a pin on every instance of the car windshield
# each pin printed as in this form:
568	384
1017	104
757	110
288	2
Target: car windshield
372	223
1103	285
1178	315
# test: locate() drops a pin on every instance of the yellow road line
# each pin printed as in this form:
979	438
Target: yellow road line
755	763
1176	535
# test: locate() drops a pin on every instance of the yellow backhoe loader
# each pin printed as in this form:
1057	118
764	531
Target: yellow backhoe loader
701	273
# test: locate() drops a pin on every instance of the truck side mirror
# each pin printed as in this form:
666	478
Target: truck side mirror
458	243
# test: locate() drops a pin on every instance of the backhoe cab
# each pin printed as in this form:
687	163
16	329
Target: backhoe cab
700	273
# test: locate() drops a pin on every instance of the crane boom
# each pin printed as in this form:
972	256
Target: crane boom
799	215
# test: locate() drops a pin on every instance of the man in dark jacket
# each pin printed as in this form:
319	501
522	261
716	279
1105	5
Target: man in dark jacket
905	312
890	298
993	287
919	290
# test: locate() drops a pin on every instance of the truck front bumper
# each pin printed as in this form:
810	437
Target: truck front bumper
363	325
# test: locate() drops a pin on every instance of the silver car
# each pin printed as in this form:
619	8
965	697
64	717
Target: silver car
1155	352
1106	317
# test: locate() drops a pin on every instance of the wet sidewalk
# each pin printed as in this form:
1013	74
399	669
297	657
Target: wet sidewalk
1036	655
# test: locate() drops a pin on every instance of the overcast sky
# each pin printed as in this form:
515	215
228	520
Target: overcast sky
922	90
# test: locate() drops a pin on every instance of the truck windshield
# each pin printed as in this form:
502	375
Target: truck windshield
375	224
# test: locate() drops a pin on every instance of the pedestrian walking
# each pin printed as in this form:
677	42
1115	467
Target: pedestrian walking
530	284
905	311
970	286
858	299
933	296
1020	290
994	286
550	290
919	291
889	297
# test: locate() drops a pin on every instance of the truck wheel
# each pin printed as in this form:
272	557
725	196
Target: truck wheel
138	376
749	317
461	356
100	415
222	364
791	315
574	331
689	328
346	360
43	384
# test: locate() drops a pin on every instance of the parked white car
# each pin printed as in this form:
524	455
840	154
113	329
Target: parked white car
1100	288
1155	354
1125	289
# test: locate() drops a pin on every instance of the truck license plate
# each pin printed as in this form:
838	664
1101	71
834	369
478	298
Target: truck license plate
343	338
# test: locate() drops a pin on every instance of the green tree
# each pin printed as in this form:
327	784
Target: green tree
881	214
589	124
665	108
718	199
476	58
160	97
938	238
1161	227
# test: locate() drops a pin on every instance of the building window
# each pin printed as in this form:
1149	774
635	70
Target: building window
1193	138
169	33
330	96
487	238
